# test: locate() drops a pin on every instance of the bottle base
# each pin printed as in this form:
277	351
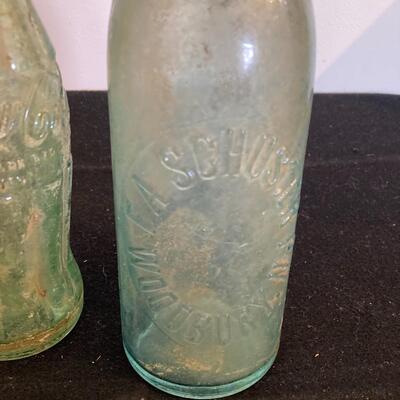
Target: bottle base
42	341
200	392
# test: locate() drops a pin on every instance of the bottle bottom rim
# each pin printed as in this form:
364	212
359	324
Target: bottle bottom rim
44	340
200	392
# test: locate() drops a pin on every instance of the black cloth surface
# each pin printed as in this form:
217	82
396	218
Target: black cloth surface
341	334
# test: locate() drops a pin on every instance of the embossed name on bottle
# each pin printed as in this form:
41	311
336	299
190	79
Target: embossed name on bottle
260	160
183	320
22	133
172	267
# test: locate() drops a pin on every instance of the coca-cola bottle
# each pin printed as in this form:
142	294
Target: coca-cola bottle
41	289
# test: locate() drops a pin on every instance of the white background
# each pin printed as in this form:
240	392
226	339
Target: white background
358	43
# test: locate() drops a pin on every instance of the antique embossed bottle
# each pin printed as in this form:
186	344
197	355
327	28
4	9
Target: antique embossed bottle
210	105
40	284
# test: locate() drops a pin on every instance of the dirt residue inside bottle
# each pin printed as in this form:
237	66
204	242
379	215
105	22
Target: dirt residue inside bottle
185	244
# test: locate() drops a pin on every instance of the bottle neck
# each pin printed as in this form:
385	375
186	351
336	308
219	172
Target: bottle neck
23	40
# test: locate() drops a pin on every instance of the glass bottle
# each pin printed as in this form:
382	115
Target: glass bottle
41	288
210	105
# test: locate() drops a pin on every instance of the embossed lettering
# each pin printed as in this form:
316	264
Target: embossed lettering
292	211
43	124
232	152
259	154
276	301
246	158
186	178
179	317
287	245
289	201
197	328
151	284
133	219
38	128
12	166
291	190
12	174
224	329
205	152
144	260
272	171
154	202
280	270
161	300
10	113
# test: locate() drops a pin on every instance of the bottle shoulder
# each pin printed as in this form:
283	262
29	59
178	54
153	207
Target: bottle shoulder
24	44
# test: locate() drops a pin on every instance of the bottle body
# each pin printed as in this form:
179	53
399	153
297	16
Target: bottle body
210	104
41	289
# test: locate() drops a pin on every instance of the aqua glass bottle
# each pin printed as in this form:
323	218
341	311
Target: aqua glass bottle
40	285
210	105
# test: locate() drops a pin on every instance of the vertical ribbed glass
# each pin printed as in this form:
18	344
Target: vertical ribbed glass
210	104
41	289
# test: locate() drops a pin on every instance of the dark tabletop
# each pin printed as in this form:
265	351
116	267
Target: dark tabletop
341	335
